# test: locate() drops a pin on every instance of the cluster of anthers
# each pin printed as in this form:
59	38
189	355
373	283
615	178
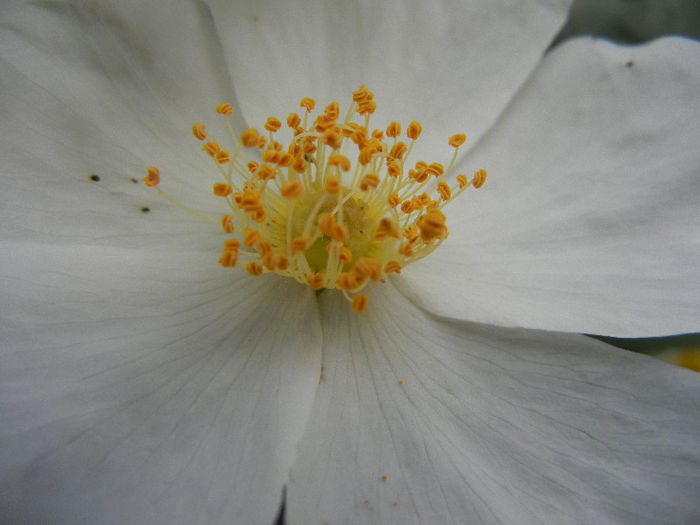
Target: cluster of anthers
336	208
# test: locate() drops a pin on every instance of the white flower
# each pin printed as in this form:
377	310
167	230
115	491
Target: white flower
142	383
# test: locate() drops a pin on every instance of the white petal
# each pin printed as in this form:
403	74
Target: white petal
106	91
589	220
476	424
451	65
147	387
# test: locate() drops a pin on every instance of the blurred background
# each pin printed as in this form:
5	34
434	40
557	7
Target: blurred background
633	22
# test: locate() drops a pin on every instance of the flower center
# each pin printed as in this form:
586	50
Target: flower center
338	207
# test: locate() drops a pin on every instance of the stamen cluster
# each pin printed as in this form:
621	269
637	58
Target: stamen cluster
338	206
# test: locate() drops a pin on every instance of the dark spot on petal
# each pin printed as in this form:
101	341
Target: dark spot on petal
145	209
94	178
135	181
629	63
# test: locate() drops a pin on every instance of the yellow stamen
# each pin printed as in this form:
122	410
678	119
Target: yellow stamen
335	207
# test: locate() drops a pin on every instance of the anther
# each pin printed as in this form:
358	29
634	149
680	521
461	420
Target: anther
250	137
307	103
272	124
153	177
444	190
414	130
254	268
291	189
462	180
198	131
339	160
359	304
457	140
332	185
392	267
479	178
370	180
222	189
223	157
211	148
393	130
227	223
224	108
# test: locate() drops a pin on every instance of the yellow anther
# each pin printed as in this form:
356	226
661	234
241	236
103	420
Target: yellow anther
339	160
258	215
224	108
398	150
249	138
413	131
371	180
387	228
153	177
252	237
293	120
228	258
211	148
307	103
263	247
272	124
232	244
285	159
408	206
393	200
367	267
282	262
271	155
479	178
345	254
392	267
326	222
347	281
222	189
222	157
432	224
227	223
411	233
457	140
436	169
250	201
299	165
378	134
291	189
332	110
299	244
266	172
315	280
393	168
393	130
462	180
332	185
444	190
254	268
406	249
359	304
252	166
366	107
339	232
269	260
198	131
261	142
360	94
332	138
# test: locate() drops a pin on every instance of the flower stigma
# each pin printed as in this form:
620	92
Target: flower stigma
337	207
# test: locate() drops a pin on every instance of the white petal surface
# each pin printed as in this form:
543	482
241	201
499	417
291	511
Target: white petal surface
146	387
476	424
451	65
107	90
589	220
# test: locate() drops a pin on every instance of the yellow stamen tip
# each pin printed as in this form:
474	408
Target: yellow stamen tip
224	108
153	177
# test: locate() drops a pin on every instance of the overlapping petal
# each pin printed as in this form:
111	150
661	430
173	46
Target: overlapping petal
456	63
589	219
143	387
419	420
